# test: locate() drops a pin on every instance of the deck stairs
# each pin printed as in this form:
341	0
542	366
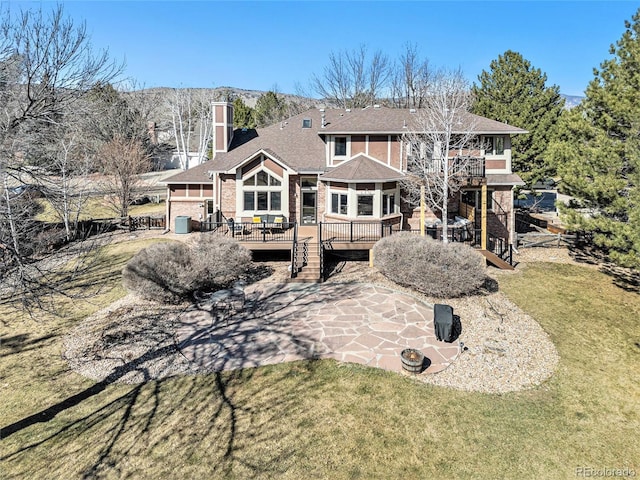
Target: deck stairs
495	260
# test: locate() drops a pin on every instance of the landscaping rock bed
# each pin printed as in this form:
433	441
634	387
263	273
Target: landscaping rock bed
131	341
506	350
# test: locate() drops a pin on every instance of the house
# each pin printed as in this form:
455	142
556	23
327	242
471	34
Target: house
339	171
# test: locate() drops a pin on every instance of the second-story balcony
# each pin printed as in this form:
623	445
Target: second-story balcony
466	166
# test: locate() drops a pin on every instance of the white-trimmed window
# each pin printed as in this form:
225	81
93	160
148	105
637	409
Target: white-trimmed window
494	145
209	205
340	147
339	203
262	192
365	205
388	203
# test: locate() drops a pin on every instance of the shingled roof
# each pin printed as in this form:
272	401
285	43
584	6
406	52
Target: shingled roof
398	121
362	169
304	149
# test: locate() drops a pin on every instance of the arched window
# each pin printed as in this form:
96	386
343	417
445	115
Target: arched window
262	192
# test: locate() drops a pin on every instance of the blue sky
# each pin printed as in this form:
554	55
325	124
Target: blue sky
259	45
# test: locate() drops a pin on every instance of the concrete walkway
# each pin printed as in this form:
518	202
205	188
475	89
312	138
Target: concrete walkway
348	322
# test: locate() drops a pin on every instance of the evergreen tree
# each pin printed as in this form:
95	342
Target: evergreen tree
270	108
597	153
243	115
516	93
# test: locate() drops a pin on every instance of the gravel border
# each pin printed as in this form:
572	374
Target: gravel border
506	350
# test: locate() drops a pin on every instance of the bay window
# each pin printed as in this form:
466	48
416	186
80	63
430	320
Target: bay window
388	203
365	205
339	203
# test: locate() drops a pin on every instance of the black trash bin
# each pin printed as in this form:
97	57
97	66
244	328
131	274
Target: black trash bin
443	322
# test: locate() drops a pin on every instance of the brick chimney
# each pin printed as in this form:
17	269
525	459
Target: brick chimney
222	126
152	132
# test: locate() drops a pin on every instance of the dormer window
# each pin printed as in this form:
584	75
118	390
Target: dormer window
340	146
306	123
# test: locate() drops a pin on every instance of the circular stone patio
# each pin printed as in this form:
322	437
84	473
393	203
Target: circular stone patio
357	323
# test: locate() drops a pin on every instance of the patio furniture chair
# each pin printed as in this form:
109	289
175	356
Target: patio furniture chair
238	296
278	225
235	227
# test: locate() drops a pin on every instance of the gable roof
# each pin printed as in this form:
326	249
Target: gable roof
299	148
362	168
383	120
303	148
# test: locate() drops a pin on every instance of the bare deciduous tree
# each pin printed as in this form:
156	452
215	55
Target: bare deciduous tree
47	66
122	160
191	116
441	144
411	79
351	79
64	185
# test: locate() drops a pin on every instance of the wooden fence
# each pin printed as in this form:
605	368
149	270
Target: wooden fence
147	222
533	239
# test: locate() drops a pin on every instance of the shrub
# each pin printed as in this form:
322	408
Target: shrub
218	262
171	272
160	272
428	266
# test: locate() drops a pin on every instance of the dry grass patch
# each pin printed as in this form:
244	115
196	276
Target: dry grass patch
98	207
322	419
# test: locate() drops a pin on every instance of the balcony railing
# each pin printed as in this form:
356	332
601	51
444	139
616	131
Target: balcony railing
460	165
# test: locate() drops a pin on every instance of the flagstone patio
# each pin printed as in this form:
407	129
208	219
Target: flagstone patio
349	322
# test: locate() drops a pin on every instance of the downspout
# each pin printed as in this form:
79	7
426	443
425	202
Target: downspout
167	228
483	218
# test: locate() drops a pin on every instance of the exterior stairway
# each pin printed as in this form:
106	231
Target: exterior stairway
308	272
495	260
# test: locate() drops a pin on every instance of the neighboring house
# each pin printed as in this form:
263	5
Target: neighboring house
330	167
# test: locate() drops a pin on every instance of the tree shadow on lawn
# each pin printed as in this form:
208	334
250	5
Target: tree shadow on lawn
10	345
626	278
210	420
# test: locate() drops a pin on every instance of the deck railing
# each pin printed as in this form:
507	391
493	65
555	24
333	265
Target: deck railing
253	232
354	231
294	254
455	233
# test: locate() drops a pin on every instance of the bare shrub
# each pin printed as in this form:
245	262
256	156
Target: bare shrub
428	266
171	272
160	272
217	263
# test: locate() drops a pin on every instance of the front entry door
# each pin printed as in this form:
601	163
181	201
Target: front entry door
308	208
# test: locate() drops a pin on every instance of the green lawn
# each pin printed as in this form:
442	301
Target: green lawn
97	207
326	420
